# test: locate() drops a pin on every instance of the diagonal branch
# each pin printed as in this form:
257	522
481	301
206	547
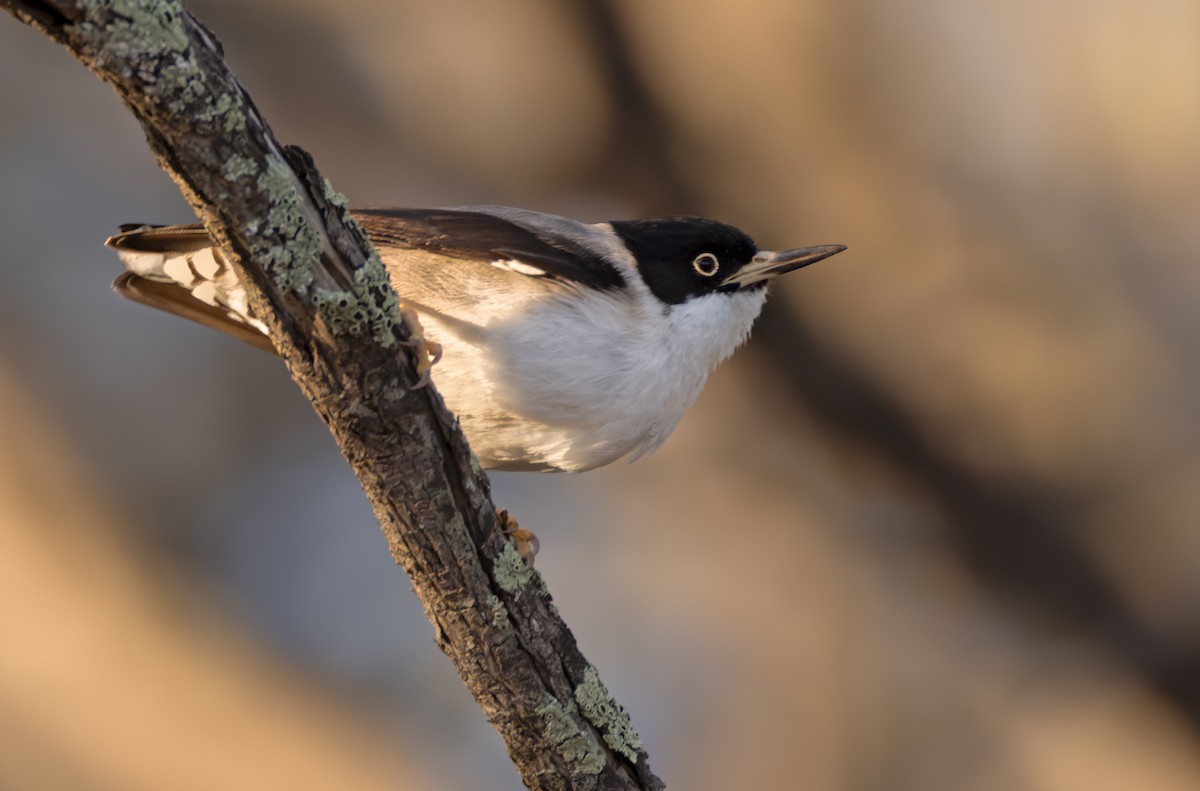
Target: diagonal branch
334	319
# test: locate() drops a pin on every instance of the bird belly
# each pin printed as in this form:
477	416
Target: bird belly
560	388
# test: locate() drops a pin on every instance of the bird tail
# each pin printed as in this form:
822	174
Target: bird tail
178	269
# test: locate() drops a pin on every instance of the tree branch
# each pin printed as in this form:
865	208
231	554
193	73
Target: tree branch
333	317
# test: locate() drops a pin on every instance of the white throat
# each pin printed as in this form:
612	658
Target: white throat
708	329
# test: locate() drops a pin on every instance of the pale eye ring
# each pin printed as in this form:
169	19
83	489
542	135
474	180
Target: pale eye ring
706	264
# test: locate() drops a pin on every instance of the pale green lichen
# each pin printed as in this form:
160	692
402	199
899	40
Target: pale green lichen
371	307
374	284
146	35
227	111
333	196
237	166
137	28
499	612
151	36
576	744
290	264
510	571
181	85
607	715
277	179
342	311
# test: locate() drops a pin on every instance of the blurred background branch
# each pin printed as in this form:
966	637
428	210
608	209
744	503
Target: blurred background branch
935	528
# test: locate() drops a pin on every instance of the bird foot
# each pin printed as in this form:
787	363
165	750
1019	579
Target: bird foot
527	543
426	353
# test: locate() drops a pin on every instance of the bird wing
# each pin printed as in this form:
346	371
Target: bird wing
429	253
472	236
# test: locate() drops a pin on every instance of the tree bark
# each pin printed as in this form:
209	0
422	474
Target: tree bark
336	323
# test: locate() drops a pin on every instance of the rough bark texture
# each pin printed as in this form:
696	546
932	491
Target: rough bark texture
336	324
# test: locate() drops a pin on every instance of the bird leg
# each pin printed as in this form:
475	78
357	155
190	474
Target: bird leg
426	353
527	543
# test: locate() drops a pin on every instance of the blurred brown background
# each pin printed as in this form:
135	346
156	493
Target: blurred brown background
935	528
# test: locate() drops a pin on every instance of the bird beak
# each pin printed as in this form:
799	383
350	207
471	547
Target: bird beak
766	265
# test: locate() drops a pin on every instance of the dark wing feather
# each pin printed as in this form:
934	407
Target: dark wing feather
484	238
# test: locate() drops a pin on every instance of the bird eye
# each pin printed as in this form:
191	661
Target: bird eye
706	264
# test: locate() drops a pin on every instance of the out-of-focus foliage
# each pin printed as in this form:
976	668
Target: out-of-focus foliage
934	529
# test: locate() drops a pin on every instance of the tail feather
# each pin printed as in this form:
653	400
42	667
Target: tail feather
177	269
159	238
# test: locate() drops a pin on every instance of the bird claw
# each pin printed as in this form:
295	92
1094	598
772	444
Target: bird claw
526	542
426	353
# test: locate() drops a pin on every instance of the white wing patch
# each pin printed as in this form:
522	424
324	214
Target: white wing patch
179	269
206	264
520	267
206	291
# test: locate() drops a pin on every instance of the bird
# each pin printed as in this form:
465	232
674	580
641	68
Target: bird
566	345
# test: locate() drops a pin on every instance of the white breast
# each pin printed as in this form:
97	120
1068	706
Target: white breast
575	383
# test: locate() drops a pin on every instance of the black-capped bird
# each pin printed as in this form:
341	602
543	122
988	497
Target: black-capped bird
566	346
